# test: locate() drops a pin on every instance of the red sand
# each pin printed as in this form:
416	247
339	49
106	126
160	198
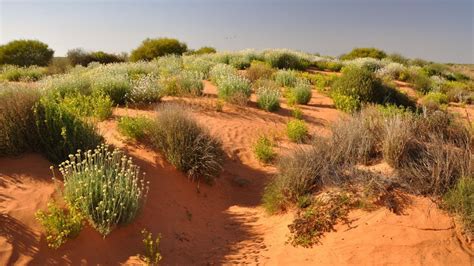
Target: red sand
223	223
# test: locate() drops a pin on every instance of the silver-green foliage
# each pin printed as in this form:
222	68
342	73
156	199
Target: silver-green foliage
104	185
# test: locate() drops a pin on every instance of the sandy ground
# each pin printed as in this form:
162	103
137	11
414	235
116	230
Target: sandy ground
223	223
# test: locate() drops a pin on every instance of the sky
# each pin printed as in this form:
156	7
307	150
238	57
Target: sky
438	30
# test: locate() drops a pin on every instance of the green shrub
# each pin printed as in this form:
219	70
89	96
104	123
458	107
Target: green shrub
301	93
435	69
152	48
286	78
117	87
285	60
17	124
460	200
14	73
234	89
59	65
268	99
398	58
360	83
61	133
239	61
345	103
296	130
328	65
60	224
152	254
259	70
170	65
25	53
265	83
434	100
105	186
146	89
199	65
70	84
186	144
134	127
297	113
205	50
80	57
263	149
186	83
364	52
421	82
97	106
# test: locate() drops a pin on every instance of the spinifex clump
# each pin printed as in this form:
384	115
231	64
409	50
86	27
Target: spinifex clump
105	186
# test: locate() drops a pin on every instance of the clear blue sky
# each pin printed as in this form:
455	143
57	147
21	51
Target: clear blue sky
439	30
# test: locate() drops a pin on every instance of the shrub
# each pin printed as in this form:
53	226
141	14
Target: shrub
187	145
433	100
285	60
263	149
16	119
170	65
199	65
146	89
286	78
297	113
296	130
421	82
70	84
265	83
391	71
97	106
364	52
152	48
186	83
321	217
61	133
239	61
434	69
321	81
13	73
59	65
345	103
134	127
205	50
80	57
259	70
460	200
105	186
220	72
398	58
117	87
25	53
360	83
328	65
60	224
268	99
152	254
299	94
234	89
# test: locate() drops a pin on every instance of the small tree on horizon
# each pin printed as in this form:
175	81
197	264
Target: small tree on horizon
25	53
153	48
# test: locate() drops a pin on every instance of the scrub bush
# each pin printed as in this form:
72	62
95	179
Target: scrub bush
268	99
234	89
296	130
153	48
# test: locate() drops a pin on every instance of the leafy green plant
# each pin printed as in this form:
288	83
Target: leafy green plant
263	149
186	83
152	254
25	53
105	186
285	60
60	224
134	127
146	89
60	133
14	73
186	144
97	106
152	48
345	103
268	99
364	52
117	87
286	78
460	200
433	100
299	94
220	72
296	130
297	113
258	70
335	66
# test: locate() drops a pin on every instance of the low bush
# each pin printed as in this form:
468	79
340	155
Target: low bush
152	254
296	130
421	82
153	48
265	83
105	186
259	70
87	106
146	89
70	84
234	89
199	65
268	99
334	66
345	103
134	127
301	93
297	113
169	65
17	124
434	100
60	133
186	144
117	87
398	58
286	78
220	72
60	224
186	83
460	200
285	60
84	58
59	65
263	149
205	50
26	74
363	53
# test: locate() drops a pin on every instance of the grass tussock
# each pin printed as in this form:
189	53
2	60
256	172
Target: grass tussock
460	200
186	144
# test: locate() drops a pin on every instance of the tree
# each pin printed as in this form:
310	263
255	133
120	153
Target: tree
25	53
364	52
152	48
